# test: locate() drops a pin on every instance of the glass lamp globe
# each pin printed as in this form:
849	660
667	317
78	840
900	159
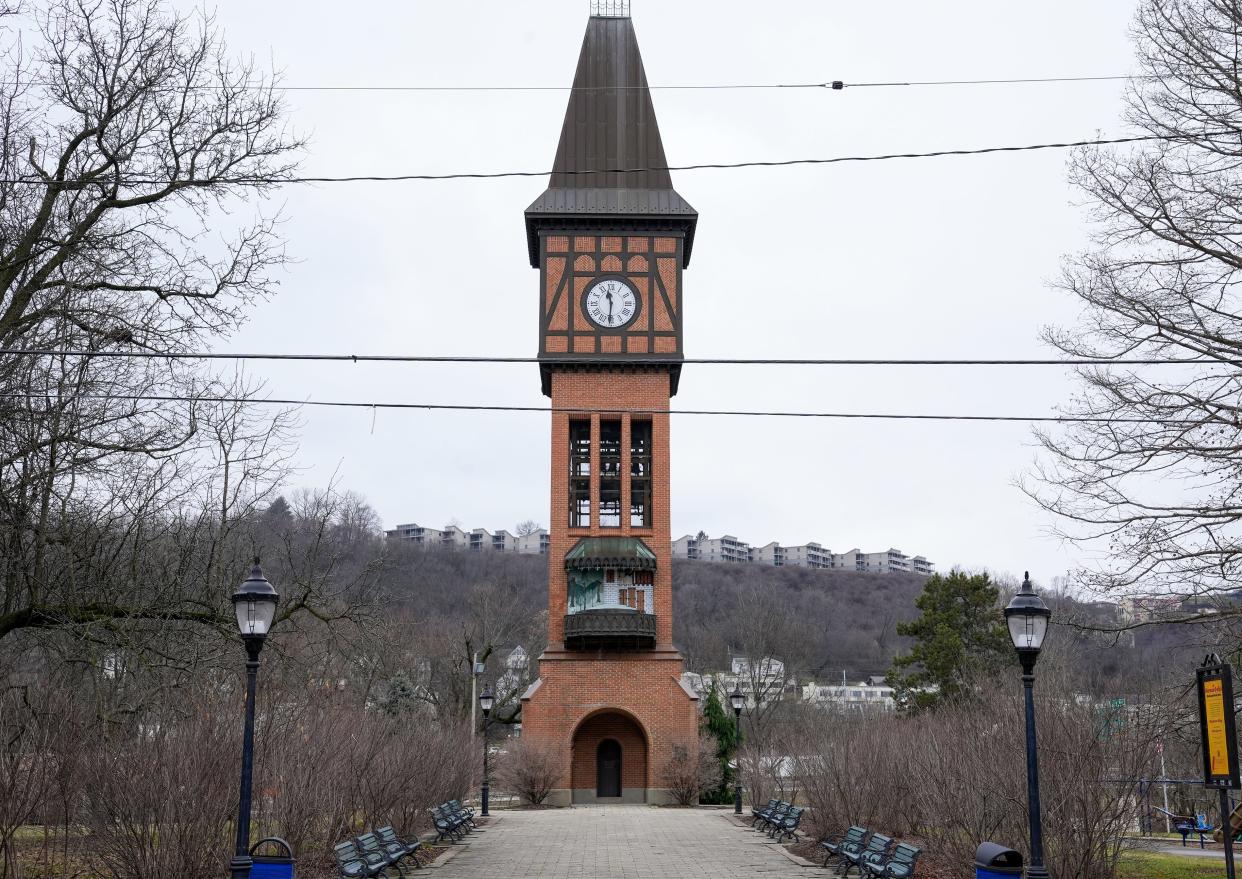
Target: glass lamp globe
1027	617
255	602
486	700
736	698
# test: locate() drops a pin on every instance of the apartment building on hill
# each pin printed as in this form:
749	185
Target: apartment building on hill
809	555
475	540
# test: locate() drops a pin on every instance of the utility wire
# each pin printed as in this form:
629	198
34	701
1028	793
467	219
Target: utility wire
587	410
635	360
951	82
834	85
495	175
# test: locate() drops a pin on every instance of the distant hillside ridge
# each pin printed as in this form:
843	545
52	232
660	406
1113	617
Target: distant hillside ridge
821	622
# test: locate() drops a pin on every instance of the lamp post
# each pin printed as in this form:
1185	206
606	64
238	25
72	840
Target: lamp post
1027	617
485	702
254	603
738	701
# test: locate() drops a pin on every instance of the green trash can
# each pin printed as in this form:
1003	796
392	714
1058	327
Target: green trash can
994	861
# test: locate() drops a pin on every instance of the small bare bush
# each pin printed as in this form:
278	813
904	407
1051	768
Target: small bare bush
688	773
530	770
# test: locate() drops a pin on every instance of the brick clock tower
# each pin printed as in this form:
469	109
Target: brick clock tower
610	247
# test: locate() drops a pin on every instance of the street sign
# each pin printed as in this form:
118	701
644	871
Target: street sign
1214	680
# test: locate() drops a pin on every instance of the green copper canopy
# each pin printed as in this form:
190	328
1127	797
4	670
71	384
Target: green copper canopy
623	553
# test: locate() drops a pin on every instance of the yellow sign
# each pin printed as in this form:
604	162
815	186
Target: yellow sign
1218	743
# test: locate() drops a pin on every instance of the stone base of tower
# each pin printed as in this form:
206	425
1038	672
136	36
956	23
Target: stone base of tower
613	720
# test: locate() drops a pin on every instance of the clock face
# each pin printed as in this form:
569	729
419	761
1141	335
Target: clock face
610	303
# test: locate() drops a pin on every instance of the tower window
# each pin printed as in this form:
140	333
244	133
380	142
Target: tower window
579	474
640	474
610	474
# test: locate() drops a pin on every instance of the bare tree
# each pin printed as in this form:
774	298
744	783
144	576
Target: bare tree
771	642
129	139
1153	474
527	527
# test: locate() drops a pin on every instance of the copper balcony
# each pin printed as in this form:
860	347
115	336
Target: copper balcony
610	629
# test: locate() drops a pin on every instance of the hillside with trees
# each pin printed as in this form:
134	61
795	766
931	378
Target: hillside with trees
821	621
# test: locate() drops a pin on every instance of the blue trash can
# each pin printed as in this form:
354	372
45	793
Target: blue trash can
272	866
994	861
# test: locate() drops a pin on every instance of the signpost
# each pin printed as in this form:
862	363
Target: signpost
1214	685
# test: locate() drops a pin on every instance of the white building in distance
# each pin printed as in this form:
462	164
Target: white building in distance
810	555
859	697
475	540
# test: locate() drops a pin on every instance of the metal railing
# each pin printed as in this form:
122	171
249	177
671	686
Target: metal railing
610	8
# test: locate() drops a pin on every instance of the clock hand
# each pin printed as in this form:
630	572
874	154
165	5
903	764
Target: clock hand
609	296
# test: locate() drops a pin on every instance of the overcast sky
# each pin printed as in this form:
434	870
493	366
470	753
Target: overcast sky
934	258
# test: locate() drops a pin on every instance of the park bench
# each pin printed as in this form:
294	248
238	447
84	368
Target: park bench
757	811
787	825
767	818
898	865
464	811
851	841
395	845
352	864
457	811
447	827
877	847
376	852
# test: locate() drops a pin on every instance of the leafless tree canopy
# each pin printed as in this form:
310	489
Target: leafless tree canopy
1161	495
130	142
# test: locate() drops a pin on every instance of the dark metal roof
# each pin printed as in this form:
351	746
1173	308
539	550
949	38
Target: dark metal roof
610	127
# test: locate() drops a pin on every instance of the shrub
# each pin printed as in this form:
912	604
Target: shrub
687	773
160	797
955	776
530	770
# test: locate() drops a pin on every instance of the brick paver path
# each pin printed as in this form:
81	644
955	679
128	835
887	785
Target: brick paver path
625	842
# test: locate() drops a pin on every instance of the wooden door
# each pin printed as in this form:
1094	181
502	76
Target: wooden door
608	769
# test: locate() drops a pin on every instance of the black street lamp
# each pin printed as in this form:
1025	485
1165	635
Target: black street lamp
485	702
1027	617
738	701
254	602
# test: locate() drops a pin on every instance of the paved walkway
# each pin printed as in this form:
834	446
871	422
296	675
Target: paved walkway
619	842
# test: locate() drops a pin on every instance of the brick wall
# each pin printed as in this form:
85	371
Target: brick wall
574	687
628	389
635	697
609	725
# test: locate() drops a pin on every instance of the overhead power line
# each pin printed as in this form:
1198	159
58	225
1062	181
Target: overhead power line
589	410
1017	81
832	85
702	166
635	360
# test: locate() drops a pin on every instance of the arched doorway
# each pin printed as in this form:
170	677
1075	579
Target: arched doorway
609	759
608	769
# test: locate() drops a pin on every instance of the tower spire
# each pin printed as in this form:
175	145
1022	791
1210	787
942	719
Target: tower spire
610	162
